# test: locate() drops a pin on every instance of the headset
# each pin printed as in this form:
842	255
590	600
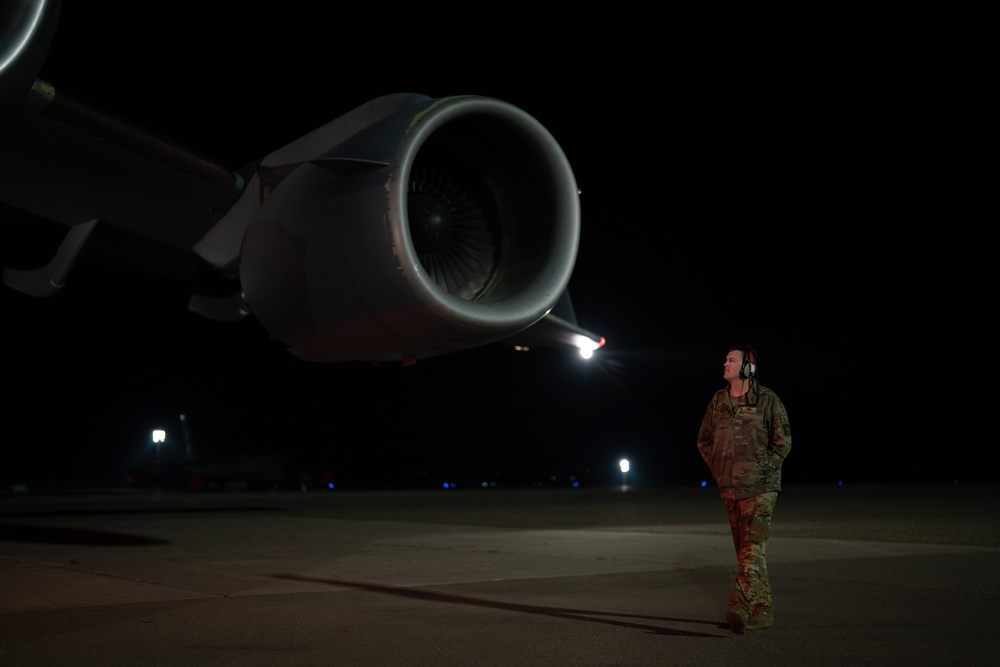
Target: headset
749	368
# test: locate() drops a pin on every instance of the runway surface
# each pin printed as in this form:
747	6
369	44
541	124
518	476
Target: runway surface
867	575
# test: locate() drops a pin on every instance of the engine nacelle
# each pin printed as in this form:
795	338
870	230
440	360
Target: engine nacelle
448	225
26	31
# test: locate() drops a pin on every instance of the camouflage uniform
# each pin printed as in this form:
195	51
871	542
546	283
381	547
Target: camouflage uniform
744	445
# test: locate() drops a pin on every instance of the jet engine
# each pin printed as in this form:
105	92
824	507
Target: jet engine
446	225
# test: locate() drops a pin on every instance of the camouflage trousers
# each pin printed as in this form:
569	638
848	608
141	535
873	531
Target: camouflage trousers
750	522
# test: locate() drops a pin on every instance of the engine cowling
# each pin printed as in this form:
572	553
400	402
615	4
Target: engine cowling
448	225
26	31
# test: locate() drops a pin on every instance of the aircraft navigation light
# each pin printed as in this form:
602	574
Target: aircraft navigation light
587	345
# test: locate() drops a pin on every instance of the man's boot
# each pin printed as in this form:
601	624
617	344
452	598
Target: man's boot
737	617
762	617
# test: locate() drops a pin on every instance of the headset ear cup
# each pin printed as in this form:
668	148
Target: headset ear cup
749	367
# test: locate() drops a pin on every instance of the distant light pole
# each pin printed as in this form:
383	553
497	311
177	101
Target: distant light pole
159	436
624	466
188	453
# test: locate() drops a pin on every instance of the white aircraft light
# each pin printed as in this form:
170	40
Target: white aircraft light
587	345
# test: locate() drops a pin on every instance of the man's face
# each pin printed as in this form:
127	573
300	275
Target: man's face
731	369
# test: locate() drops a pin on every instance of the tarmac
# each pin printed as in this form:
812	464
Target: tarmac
861	575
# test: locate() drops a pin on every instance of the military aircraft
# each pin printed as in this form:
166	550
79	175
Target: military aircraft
409	227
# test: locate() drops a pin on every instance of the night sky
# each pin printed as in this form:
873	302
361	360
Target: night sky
776	185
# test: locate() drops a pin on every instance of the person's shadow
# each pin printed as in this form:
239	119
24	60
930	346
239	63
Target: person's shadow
610	618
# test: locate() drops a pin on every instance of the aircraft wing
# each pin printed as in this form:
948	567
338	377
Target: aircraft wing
409	227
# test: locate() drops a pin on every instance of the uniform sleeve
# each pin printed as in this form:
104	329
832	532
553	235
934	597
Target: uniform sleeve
706	434
780	434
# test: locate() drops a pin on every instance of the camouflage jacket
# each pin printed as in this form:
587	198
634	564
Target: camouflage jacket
744	449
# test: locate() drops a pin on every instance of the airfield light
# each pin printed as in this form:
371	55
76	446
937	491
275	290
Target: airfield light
159	436
623	464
